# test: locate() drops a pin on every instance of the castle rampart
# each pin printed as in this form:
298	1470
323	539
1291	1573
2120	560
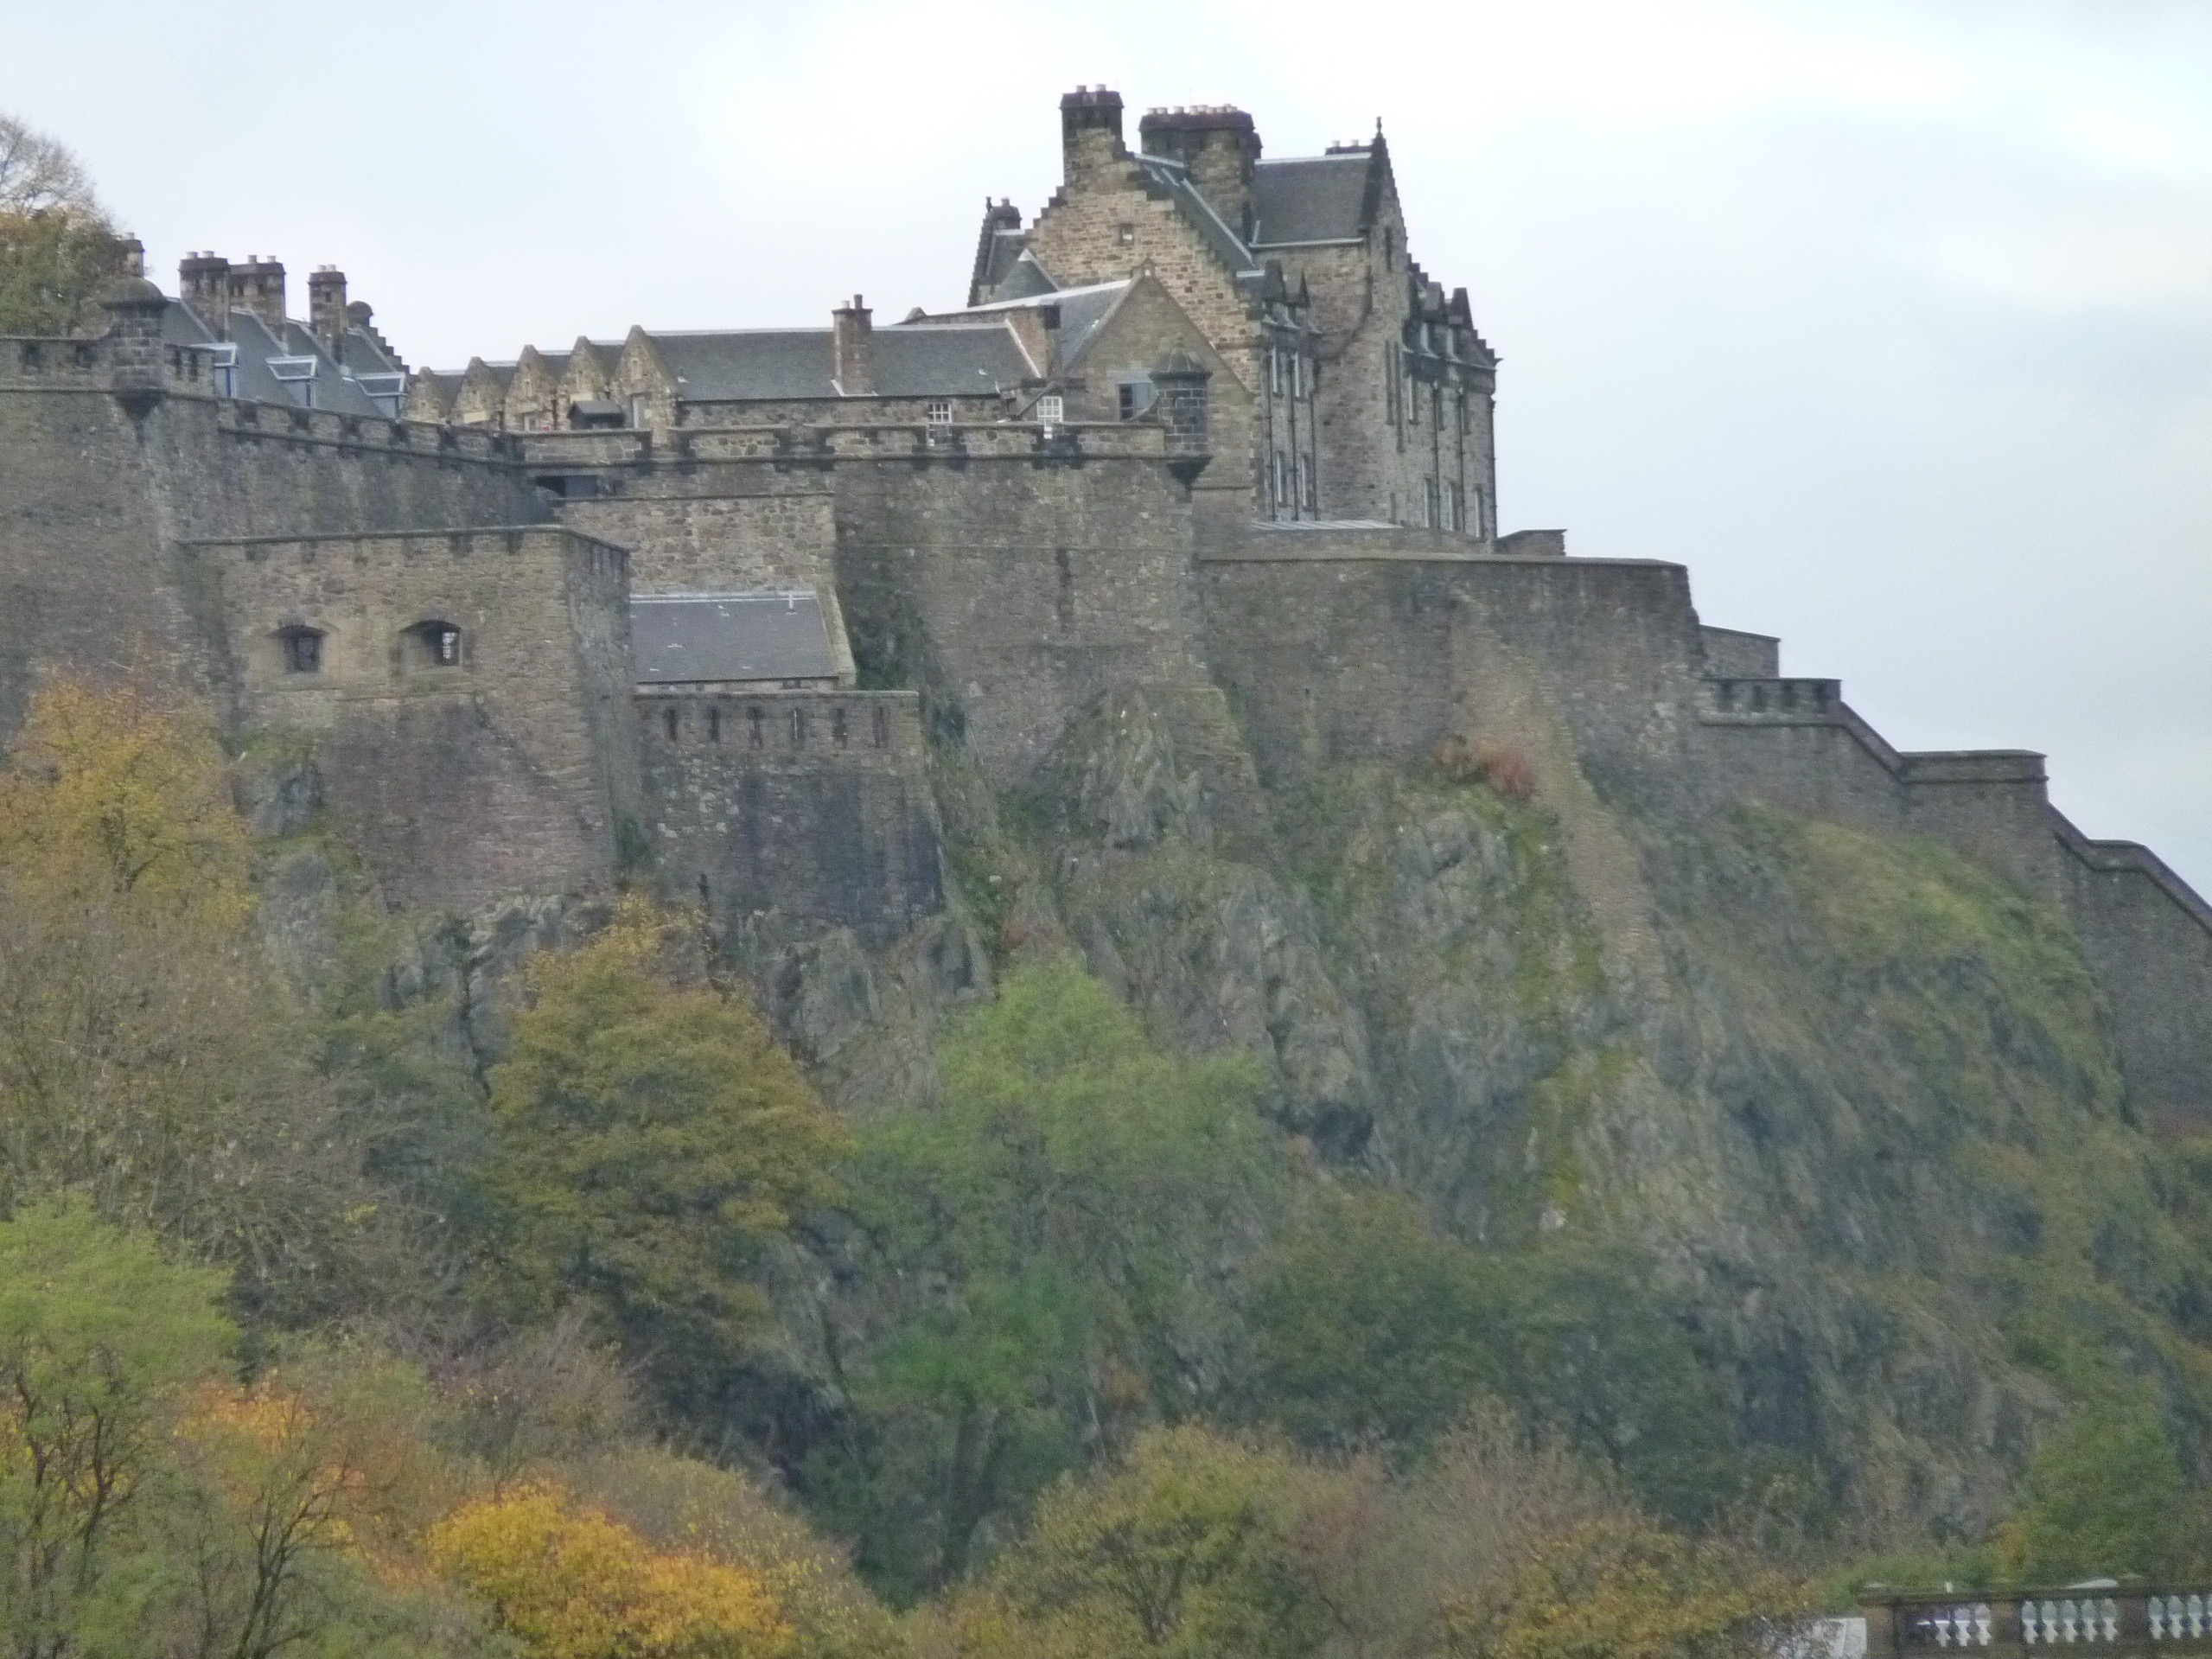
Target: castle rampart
464	696
797	809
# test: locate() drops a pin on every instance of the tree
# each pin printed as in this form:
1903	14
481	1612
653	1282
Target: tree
2106	1495
1181	1548
150	1060
570	1582
58	248
100	1341
1054	1226
1368	1322
651	1139
1620	1586
315	1476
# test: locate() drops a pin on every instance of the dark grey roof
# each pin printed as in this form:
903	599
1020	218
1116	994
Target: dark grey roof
685	638
1026	278
1081	310
252	377
1311	199
774	363
1172	178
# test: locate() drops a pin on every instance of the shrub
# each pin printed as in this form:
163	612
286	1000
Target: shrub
1501	766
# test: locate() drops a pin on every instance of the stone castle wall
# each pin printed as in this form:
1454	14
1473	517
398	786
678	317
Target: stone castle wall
509	770
810	808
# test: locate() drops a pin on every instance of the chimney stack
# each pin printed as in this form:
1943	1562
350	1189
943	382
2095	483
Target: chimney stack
1220	146
258	286
326	309
853	355
203	282
1090	133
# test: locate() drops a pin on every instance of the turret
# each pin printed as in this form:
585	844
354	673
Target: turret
1090	133
1220	146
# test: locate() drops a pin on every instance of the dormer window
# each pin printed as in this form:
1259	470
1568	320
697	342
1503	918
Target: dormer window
302	649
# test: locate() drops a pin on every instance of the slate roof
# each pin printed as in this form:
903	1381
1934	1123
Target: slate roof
252	379
1173	179
745	365
1311	199
691	638
1082	311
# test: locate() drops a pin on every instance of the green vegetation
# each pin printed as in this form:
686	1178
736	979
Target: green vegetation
359	1298
58	248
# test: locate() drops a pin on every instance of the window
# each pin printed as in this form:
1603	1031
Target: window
1134	398
754	720
640	406
1125	235
879	726
1390	389
1459	508
1275	481
837	727
432	645
1052	409
1413	396
799	728
938	412
1430	504
1308	492
302	651
1275	371
714	726
669	722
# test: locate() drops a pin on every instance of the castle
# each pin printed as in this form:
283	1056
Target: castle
701	607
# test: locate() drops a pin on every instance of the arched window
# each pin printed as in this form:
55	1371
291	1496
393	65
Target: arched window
433	644
302	650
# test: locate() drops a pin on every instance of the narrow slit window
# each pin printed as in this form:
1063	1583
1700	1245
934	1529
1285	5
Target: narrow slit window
799	728
837	727
755	724
714	726
668	723
880	728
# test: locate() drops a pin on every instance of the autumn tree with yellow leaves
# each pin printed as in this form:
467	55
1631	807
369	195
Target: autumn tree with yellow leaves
572	1582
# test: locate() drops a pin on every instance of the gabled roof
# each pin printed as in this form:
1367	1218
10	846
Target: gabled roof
748	365
1173	179
1082	311
998	244
1313	199
302	361
691	638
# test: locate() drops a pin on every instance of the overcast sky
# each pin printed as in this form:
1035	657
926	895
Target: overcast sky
1892	321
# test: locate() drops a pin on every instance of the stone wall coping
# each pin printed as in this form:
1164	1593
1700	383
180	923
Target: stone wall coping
1403	556
468	533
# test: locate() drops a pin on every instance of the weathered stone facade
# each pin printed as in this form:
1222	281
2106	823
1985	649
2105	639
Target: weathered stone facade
1201	435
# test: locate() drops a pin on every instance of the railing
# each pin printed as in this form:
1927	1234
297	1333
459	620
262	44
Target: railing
2130	1619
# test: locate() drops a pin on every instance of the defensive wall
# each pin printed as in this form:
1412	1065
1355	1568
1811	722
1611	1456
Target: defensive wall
113	456
810	808
1336	646
467	713
1013	574
995	582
